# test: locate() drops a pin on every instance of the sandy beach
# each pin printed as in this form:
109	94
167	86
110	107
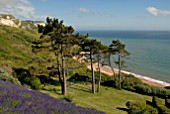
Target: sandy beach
107	70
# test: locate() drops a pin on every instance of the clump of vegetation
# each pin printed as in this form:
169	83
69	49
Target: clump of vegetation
69	98
153	91
136	107
7	76
157	106
128	82
33	82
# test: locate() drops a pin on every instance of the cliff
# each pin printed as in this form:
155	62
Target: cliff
9	20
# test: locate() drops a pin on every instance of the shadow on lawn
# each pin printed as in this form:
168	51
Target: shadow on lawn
81	88
123	109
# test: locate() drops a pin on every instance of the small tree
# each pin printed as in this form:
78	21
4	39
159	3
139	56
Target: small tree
118	48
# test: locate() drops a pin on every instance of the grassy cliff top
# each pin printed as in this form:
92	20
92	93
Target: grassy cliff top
6	15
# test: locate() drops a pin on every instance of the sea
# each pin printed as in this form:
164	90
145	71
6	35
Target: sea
149	51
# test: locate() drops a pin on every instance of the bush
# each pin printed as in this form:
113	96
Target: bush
140	108
80	78
34	82
167	87
128	82
5	75
109	83
157	102
153	91
21	74
163	109
167	103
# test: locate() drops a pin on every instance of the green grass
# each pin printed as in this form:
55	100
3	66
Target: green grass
16	52
108	100
15	46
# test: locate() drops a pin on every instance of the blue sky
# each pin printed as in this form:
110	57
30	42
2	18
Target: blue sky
95	14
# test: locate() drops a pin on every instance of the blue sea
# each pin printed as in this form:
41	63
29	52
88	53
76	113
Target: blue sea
150	51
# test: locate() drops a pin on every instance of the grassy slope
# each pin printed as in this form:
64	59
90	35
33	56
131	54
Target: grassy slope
16	51
15	46
108	100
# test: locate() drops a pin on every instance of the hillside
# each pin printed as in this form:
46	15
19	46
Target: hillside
10	20
37	70
19	100
15	46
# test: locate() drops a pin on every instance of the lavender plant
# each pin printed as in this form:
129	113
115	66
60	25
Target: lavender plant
15	99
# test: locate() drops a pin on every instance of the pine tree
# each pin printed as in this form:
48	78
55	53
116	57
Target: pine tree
118	48
59	39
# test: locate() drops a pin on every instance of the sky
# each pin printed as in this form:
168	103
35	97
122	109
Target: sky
95	14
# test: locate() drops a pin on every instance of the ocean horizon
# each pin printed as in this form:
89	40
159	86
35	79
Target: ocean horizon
150	50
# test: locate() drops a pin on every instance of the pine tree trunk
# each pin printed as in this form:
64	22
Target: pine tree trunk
93	78
63	72
119	62
59	69
111	65
98	89
60	78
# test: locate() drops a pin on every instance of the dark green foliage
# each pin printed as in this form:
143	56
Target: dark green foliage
21	74
110	82
167	103
116	47
157	102
80	78
140	108
33	82
153	91
167	87
25	77
129	82
48	80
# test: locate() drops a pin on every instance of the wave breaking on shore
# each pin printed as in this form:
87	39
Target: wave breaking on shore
146	78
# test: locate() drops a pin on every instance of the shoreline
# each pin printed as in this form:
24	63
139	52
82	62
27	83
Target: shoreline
145	79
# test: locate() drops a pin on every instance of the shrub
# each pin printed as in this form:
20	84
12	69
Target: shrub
167	103
163	109
80	78
157	102
140	108
34	82
21	74
5	75
128	82
109	83
167	87
153	91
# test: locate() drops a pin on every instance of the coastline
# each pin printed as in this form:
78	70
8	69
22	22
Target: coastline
145	79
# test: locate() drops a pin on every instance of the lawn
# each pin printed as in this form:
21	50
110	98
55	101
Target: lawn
109	100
